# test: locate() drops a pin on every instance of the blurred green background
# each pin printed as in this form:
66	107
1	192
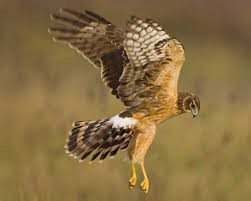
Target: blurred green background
45	86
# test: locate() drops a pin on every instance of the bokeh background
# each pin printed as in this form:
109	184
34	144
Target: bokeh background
45	86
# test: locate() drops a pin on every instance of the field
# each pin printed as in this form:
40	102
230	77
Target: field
46	86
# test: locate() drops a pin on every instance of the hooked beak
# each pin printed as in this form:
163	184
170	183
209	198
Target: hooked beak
194	111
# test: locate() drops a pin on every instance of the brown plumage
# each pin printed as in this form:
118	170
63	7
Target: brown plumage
141	66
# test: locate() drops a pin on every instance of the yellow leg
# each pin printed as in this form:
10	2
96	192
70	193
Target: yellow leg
145	183
133	179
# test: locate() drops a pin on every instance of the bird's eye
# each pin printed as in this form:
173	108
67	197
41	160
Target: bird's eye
192	106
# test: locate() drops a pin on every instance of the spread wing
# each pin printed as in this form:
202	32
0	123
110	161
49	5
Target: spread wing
137	64
155	62
96	39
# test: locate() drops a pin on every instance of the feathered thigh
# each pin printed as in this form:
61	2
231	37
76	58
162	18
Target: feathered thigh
140	142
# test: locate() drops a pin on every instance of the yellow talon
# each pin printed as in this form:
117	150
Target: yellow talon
145	183
132	182
133	179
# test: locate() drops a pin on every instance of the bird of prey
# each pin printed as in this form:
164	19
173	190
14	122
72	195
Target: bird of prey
141	65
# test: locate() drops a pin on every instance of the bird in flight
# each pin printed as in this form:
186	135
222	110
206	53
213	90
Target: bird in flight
141	65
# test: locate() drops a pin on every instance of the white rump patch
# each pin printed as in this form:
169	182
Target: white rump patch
118	121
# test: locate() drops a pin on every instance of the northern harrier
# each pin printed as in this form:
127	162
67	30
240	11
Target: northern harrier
141	65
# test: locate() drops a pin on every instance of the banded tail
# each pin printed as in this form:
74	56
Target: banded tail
99	138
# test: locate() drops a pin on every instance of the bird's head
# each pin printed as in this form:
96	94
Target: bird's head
190	103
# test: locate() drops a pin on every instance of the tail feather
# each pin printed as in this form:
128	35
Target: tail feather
99	138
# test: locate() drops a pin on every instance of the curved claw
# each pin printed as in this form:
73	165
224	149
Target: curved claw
132	182
145	185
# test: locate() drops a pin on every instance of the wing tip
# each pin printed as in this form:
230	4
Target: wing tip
67	10
61	10
49	30
52	16
55	16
